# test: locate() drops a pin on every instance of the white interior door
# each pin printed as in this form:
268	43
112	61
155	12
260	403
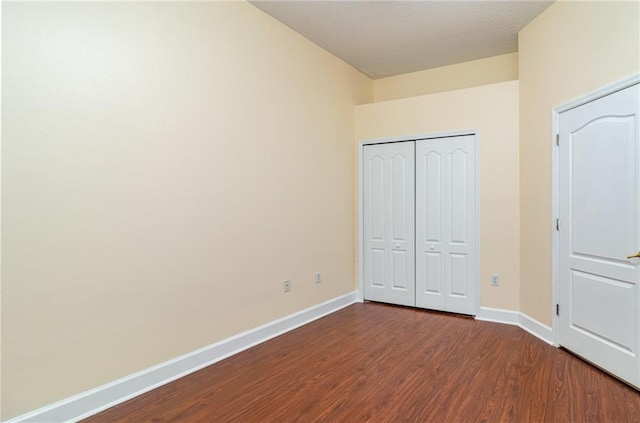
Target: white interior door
389	250
599	212
446	256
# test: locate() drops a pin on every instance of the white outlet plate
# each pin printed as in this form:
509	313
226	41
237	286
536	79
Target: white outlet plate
318	277
287	285
495	280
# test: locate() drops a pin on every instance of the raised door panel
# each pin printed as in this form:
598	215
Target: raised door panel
433	273
375	197
600	308
375	267
602	154
399	197
458	275
431	180
457	207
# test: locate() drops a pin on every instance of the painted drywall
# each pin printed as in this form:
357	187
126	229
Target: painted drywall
493	110
447	78
165	167
572	48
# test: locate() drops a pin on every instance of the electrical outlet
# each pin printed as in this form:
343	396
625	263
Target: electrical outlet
287	285
318	277
495	280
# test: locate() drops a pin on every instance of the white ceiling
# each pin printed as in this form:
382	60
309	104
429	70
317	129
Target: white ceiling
384	38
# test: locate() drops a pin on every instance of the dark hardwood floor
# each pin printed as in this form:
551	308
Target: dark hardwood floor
378	363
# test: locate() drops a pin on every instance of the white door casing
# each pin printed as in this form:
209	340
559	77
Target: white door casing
599	220
389	232
446	227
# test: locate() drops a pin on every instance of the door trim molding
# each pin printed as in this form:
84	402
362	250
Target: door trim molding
598	93
555	124
416	137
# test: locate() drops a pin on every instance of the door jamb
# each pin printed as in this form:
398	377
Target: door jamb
405	138
555	119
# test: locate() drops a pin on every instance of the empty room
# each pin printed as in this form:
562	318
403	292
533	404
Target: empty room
320	211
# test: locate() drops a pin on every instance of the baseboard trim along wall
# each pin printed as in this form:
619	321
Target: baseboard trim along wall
498	315
521	320
98	399
538	329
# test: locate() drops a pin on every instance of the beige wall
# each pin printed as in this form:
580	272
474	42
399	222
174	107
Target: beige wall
572	48
493	109
165	167
446	78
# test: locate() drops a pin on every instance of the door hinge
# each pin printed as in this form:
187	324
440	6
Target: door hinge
558	139
557	309
557	224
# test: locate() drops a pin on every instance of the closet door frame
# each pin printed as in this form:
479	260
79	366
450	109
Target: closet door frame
361	144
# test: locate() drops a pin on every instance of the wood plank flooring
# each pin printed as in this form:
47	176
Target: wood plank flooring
378	363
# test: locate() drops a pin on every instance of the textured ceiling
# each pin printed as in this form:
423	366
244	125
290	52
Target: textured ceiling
384	38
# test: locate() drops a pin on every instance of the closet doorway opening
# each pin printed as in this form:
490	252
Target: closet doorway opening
419	219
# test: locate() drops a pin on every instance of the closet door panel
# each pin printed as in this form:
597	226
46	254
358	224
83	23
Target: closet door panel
445	224
460	238
430	271
389	231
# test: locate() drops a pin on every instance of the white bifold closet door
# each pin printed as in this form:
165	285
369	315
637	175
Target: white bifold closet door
389	270
420	228
446	224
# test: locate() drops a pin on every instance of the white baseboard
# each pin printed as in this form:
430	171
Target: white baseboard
98	399
498	315
537	329
522	320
